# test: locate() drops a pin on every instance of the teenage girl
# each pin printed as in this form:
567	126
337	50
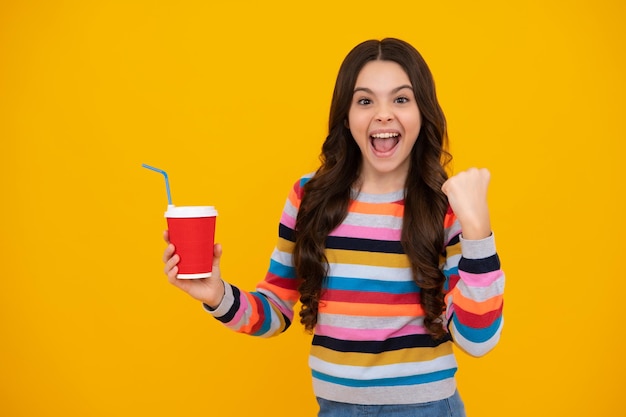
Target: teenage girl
392	261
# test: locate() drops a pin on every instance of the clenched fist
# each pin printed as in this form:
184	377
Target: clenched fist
467	195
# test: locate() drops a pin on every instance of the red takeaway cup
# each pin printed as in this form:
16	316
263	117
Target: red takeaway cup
192	231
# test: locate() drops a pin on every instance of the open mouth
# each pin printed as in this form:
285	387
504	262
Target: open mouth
384	143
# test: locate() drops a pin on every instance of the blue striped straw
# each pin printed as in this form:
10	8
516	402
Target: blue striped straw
167	182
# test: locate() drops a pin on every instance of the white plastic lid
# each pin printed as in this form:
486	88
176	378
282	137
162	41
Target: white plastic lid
190	211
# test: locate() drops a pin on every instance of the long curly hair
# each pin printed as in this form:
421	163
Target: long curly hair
327	195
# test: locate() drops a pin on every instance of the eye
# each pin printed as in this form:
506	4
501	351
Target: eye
364	101
402	100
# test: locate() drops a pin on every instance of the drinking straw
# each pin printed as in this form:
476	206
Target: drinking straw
167	182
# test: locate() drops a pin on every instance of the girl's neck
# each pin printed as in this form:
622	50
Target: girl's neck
380	184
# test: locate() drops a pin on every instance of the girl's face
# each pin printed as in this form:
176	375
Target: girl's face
384	120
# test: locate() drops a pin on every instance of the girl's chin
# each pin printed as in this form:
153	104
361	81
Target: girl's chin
385	166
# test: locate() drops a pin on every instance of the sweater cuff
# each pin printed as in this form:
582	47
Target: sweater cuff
227	302
478	249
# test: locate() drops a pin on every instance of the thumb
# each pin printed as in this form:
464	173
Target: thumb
444	187
217	254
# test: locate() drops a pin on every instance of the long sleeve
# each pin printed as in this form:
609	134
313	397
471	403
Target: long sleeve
474	297
269	310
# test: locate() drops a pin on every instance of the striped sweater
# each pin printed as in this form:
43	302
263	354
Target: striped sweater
370	345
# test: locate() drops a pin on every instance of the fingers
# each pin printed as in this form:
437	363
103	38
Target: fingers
170	259
169	251
171	274
464	178
166	236
482	173
475	172
171	267
467	196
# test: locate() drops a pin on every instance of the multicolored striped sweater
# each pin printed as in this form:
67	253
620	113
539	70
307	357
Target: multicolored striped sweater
370	345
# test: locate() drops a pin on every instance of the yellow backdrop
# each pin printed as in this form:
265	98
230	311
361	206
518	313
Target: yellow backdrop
231	98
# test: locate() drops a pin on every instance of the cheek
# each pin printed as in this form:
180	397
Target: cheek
350	120
412	123
417	117
357	124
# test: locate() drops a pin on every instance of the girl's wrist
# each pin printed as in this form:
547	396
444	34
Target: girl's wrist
476	231
214	302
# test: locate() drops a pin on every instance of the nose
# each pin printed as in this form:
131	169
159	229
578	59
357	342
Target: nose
384	113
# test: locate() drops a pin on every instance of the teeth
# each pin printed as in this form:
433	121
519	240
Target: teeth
385	135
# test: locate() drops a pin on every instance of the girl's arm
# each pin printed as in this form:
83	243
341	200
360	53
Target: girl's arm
475	281
269	310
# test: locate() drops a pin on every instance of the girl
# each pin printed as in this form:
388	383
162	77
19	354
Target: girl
392	262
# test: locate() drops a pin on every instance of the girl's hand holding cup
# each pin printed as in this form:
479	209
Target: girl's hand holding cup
467	195
207	290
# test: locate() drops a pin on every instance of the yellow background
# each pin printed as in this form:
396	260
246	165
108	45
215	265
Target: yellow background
231	98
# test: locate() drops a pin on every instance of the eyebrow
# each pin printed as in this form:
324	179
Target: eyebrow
394	91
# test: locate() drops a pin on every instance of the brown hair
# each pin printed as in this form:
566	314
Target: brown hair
326	196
